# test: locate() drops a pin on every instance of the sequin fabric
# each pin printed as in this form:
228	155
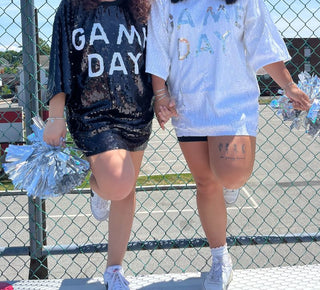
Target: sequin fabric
209	53
98	59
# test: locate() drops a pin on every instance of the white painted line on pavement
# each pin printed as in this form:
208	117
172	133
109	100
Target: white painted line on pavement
255	204
88	215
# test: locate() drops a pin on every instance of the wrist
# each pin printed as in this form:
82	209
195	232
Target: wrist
53	119
159	98
288	86
161	94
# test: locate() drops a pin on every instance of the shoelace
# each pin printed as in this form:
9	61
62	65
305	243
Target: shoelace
118	282
216	271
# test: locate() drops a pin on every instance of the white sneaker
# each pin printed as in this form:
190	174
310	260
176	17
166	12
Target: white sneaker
230	196
100	208
220	275
114	278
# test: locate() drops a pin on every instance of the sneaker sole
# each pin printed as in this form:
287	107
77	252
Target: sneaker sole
227	286
230	280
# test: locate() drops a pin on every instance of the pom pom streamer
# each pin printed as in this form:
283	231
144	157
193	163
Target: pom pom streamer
43	170
309	120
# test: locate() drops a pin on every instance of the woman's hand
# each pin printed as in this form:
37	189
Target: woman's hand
164	108
300	100
55	132
282	77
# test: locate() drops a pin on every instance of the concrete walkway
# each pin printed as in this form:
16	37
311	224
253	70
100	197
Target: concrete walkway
286	278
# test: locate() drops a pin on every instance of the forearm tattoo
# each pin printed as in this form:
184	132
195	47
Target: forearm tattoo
232	151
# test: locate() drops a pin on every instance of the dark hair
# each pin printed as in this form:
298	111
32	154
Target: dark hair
139	8
227	1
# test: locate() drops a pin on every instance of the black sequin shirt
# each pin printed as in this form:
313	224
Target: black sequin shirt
98	60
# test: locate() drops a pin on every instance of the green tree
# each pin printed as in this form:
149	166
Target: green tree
12	56
44	48
5	90
11	70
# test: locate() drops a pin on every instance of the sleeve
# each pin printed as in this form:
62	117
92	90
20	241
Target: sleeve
263	42
158	60
59	78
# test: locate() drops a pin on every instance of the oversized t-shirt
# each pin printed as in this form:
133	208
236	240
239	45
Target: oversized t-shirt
209	53
97	59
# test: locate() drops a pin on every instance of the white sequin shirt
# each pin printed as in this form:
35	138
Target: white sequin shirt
209	53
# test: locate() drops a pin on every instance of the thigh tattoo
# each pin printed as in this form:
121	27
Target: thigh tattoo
233	151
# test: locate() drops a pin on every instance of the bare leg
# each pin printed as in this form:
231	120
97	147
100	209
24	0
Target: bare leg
210	199
114	178
224	161
113	174
121	219
232	158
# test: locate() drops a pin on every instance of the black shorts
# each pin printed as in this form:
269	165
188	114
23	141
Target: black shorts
193	139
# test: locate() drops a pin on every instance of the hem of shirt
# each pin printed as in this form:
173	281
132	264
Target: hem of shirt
137	148
50	94
259	70
155	73
235	132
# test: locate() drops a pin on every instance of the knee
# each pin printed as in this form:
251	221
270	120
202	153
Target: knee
115	195
116	187
206	185
113	175
234	177
117	190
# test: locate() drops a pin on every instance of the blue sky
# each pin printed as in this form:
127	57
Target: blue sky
307	24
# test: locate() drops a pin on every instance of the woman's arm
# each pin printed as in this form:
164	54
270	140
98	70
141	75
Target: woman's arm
282	77
55	130
164	107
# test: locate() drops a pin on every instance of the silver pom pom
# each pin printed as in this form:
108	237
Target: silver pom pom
42	170
310	84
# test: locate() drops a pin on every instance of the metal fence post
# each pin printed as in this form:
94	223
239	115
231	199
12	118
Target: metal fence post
38	263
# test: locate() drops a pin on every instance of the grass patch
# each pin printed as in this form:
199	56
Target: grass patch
6	184
167	179
266	100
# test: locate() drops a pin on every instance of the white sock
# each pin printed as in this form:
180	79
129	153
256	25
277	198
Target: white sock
112	268
220	251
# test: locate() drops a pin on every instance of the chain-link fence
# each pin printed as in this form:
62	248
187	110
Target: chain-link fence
274	223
